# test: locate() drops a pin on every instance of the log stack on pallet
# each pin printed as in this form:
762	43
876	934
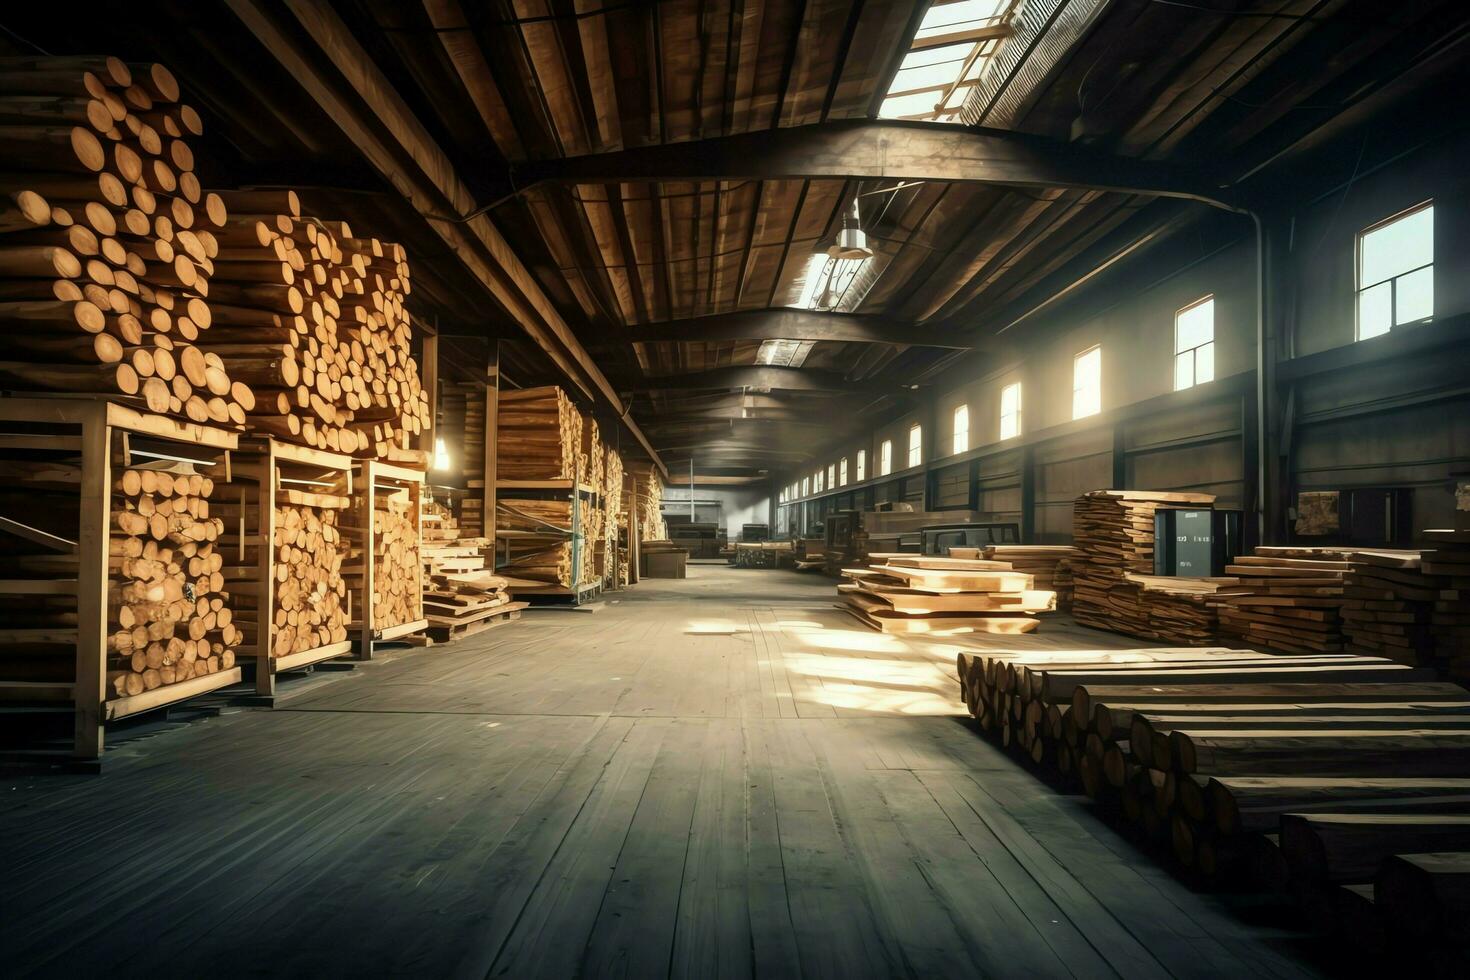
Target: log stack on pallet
538	435
536	540
168	597
1305	772
314	319
108	245
397	569
922	594
462	594
1113	535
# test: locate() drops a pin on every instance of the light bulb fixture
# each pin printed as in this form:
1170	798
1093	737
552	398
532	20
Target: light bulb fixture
441	455
851	243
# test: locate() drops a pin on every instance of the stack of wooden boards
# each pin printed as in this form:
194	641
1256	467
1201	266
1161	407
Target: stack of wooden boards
1179	610
1449	562
1304	771
1113	536
462	594
1049	565
1286	599
923	594
538	434
648	501
1411	606
610	563
537	544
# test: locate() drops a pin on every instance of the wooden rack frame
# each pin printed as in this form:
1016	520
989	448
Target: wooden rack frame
580	591
373	476
101	428
272	465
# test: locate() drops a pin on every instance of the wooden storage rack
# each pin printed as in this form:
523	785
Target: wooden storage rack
579	591
372	478
96	431
265	470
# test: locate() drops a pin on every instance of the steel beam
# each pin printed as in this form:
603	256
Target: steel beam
760	378
871	149
792	324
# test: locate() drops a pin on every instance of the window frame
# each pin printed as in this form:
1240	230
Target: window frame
842	472
831	476
1017	415
960	437
885	457
862	465
916	446
1359	288
1076	362
1194	351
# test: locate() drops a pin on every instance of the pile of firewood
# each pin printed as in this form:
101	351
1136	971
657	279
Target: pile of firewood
167	593
539	435
1113	535
397	574
310	609
108	244
314	319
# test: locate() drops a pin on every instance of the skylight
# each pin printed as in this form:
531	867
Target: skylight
948	54
783	353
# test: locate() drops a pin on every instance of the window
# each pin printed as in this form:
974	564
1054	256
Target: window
1087	383
862	465
805	485
1194	344
817	482
842	472
1010	411
916	445
945	59
885	458
961	428
1396	272
831	475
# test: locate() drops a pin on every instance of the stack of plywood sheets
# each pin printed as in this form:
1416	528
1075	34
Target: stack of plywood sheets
922	594
1113	534
1287	599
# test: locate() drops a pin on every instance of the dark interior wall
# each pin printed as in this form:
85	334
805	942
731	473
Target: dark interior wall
1392	411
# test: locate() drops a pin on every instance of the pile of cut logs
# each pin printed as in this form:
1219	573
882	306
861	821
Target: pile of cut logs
108	245
397	595
1305	771
314	319
167	594
945	595
538	435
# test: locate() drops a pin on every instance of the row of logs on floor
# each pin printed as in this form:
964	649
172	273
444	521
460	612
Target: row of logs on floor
1343	780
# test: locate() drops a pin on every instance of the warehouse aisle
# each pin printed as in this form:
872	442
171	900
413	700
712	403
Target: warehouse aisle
717	776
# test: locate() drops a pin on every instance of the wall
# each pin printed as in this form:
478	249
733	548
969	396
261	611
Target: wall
738	505
1392	411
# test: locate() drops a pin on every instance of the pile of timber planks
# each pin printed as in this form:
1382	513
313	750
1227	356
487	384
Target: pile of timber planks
108	246
538	435
923	594
1388	604
1305	772
1049	565
1113	535
649	499
611	506
537	541
462	594
1449	563
168	594
1287	598
1179	610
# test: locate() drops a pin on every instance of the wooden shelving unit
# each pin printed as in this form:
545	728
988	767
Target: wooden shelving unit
269	473
372	480
581	589
105	438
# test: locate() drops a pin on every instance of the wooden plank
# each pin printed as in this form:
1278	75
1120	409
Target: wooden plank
308	657
171	693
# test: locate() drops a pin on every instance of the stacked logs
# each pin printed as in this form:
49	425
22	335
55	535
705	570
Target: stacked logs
538	541
538	435
166	594
107	242
314	319
397	570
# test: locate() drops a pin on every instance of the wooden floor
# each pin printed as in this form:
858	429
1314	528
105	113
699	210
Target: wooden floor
722	776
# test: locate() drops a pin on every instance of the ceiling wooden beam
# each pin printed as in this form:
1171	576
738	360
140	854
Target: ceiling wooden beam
790	324
760	378
390	138
871	149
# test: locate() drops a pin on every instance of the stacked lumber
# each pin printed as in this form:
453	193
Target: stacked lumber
1049	565
538	434
1388	604
1286	598
610	566
472	457
537	541
1180	611
1113	535
168	598
924	594
1310	772
108	246
649	499
397	595
1449	562
462	594
314	319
